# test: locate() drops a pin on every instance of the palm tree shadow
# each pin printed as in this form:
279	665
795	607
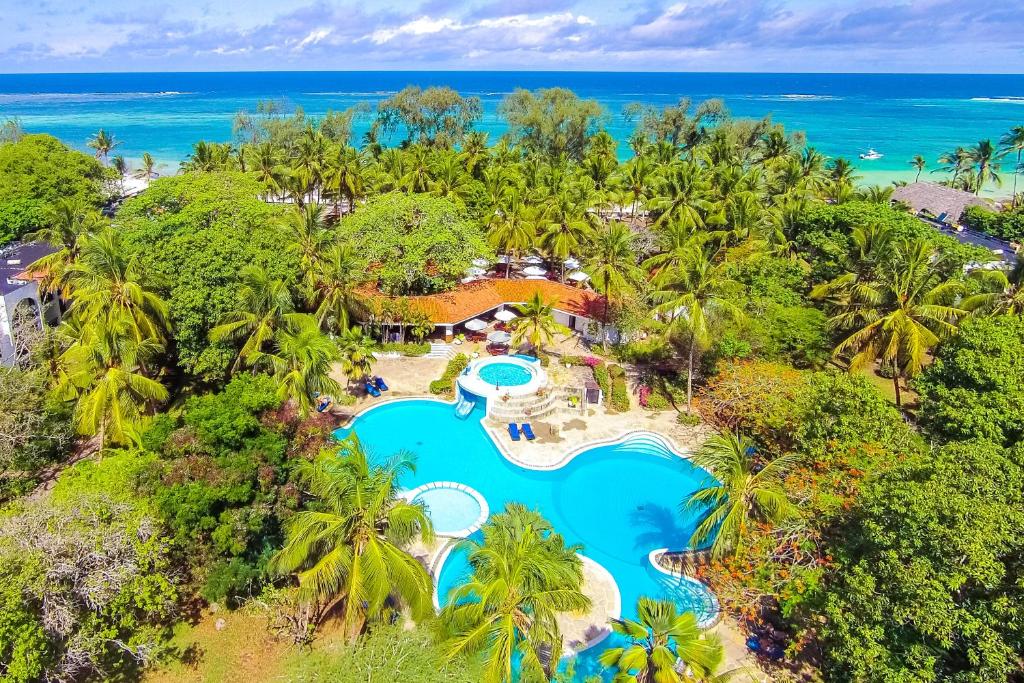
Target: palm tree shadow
658	527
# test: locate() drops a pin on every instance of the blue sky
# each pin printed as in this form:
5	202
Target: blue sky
644	35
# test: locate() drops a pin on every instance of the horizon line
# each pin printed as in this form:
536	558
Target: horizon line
512	71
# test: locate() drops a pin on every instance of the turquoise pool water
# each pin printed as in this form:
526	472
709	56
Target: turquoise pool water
619	501
505	374
450	509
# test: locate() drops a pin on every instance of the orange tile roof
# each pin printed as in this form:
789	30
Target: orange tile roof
476	298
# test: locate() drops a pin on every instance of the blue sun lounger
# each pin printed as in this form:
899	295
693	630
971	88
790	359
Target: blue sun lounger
528	431
513	431
379	383
372	390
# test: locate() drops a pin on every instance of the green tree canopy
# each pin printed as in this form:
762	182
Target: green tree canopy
35	172
415	244
196	233
975	387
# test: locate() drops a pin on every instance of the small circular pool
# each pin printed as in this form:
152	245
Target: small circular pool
455	509
502	376
505	374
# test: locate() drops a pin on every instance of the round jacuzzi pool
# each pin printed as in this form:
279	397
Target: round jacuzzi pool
455	509
502	376
505	374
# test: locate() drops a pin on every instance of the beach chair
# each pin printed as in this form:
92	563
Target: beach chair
379	383
513	431
324	404
528	431
941	218
372	390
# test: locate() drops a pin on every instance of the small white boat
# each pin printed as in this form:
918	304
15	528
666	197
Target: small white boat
871	155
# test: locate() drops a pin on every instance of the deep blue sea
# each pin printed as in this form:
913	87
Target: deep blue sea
842	114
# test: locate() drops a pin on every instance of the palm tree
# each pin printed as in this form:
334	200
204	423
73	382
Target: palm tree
634	180
350	547
69	222
536	324
120	164
566	228
339	272
739	496
1013	142
356	353
955	161
690	296
148	164
658	639
104	143
309	238
919	163
523	576
1002	293
510	229
104	369
263	305
612	265
683	195
346	177
301	362
111	285
900	314
984	154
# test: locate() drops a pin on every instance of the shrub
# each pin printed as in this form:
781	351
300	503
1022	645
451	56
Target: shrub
688	419
620	392
406	348
445	385
602	379
1008	225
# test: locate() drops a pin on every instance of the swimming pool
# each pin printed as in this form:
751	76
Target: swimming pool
505	374
620	500
454	509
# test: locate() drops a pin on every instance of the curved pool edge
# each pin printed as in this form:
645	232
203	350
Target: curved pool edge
438	561
703	624
485	510
580	449
391	400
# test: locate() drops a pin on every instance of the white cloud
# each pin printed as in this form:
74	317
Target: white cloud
312	38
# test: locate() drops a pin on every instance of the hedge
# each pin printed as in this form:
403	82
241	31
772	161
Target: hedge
602	379
620	395
406	348
445	385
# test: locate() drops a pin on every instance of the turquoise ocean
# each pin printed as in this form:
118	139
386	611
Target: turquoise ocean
842	114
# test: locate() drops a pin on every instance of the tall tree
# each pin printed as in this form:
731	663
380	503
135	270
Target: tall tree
511	228
742	494
984	155
104	143
536	324
612	265
690	297
1013	143
898	315
301	362
919	163
263	305
657	640
349	548
523	576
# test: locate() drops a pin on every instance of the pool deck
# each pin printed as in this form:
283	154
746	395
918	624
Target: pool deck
561	436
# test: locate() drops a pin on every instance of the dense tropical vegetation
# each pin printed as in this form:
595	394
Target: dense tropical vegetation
746	279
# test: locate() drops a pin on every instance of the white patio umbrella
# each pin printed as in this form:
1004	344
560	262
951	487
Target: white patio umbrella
502	258
499	337
535	277
534	260
571	263
534	270
504	315
578	276
481	262
476	272
475	325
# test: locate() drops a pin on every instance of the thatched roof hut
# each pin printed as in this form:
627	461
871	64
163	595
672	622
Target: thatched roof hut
944	203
